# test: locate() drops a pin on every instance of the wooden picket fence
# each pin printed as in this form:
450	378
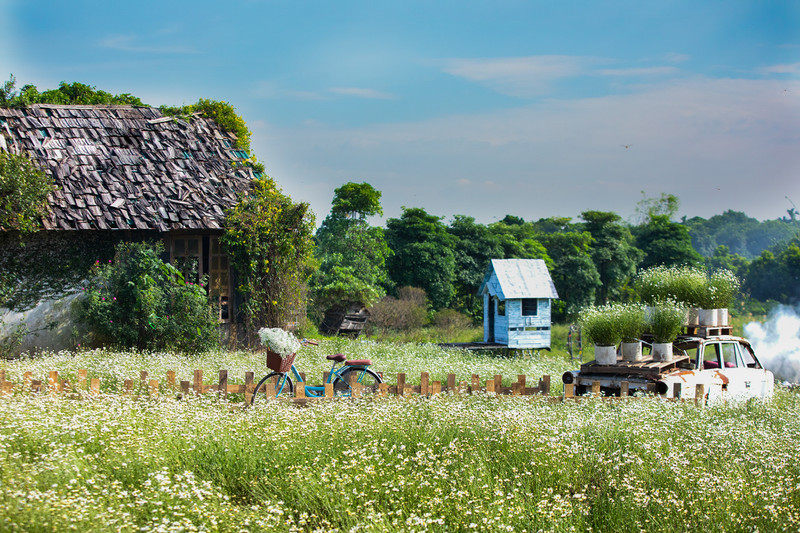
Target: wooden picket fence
147	386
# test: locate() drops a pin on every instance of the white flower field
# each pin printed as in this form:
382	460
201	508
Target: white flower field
449	463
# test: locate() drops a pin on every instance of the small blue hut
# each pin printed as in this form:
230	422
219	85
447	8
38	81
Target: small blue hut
516	303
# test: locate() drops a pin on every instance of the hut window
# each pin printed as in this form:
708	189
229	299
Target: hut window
185	254
501	308
530	307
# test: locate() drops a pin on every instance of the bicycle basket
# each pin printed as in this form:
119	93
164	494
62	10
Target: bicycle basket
279	364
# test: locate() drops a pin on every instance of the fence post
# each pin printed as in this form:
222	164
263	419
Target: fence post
329	390
401	384
153	388
476	384
52	382
700	394
624	389
197	384
128	386
544	385
595	388
223	384
451	382
143	379
82	373
490	385
423	383
249	387
569	391
171	379
94	386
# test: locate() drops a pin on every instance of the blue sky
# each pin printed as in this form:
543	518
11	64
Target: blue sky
475	108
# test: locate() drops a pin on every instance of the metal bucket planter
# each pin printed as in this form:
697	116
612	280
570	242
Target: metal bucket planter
605	355
662	351
708	317
693	316
722	316
631	351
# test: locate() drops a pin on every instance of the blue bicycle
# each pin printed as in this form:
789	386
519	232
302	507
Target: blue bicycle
343	373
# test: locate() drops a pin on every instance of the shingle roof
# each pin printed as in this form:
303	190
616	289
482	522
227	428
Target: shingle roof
519	278
123	167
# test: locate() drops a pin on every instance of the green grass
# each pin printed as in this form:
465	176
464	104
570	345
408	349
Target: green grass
448	463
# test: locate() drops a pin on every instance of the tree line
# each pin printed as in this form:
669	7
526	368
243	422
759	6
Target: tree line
592	260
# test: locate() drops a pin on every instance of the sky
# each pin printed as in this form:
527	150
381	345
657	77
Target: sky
534	109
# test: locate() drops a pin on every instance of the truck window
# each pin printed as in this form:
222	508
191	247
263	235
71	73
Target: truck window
711	356
728	351
748	358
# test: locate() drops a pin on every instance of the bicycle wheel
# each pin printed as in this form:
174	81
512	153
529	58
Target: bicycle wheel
368	380
283	386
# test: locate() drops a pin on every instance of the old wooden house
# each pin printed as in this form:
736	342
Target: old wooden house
517	294
129	173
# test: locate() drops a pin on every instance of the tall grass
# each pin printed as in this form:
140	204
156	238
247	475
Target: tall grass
449	463
443	464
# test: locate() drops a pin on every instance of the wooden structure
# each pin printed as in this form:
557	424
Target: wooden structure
517	294
145	385
348	321
132	174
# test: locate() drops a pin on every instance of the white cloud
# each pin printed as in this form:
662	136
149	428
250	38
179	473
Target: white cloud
717	144
361	93
519	76
130	43
645	71
791	68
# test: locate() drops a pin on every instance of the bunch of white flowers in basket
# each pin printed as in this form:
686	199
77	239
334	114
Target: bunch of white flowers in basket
279	341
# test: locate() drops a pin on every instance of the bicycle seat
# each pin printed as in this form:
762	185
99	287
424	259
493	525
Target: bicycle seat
338	357
359	362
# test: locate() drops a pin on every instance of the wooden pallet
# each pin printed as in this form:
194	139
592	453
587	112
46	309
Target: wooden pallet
708	331
645	367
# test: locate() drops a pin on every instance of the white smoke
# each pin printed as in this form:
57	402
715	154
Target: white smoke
777	343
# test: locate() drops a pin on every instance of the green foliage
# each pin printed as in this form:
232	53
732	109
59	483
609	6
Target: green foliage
23	193
423	255
139	301
665	243
774	274
407	312
356	200
684	284
613	252
224	114
574	273
67	94
269	239
743	235
351	253
631	321
666	205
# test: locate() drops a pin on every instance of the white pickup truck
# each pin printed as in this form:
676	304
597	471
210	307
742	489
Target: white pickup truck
724	364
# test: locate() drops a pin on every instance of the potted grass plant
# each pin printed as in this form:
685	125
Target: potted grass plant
683	284
665	322
600	326
632	323
722	288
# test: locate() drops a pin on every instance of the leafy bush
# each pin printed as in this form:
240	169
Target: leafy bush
409	311
139	301
660	283
722	287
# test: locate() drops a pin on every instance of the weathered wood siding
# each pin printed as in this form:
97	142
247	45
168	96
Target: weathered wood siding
528	331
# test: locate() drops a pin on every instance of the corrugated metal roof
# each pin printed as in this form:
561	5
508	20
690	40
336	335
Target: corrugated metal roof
519	278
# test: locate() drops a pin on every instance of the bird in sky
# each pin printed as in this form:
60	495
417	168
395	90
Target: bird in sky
626	146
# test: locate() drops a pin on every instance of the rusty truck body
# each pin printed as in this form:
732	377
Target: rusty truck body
726	366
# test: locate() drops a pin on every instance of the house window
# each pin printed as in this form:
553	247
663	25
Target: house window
185	254
530	307
501	308
219	284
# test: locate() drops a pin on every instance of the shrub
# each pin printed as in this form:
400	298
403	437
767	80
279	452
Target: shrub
139	301
23	193
682	284
392	314
451	321
665	321
721	290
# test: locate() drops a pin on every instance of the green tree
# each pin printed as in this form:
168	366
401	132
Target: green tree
775	276
665	243
351	253
475	246
423	254
573	272
23	193
724	259
67	94
613	253
270	241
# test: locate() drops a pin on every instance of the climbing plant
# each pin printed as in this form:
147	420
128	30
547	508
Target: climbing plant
269	239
